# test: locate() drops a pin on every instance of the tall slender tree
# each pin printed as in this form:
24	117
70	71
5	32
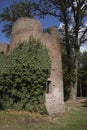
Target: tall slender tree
83	74
79	12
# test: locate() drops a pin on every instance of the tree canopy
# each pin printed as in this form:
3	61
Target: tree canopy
13	12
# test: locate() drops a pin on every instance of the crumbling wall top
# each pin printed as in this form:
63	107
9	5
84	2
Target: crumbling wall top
25	23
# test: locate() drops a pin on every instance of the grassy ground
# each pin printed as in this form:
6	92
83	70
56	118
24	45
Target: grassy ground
75	118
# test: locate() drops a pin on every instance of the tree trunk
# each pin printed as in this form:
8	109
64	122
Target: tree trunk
73	92
80	89
74	84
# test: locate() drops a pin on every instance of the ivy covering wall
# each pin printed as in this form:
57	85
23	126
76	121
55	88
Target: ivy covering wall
23	76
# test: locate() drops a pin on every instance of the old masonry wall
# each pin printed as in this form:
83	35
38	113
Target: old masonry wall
24	28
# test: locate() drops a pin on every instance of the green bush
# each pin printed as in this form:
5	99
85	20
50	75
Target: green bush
22	83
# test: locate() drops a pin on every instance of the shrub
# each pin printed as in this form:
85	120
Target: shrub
23	81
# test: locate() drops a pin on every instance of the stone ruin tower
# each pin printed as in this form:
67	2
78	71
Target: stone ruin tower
24	28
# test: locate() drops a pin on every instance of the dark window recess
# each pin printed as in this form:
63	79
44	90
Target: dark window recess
48	86
8	48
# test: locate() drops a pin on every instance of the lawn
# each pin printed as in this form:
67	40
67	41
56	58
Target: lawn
74	118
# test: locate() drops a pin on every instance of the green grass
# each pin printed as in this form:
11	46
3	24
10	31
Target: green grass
75	118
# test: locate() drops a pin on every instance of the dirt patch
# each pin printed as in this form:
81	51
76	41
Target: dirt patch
19	124
30	121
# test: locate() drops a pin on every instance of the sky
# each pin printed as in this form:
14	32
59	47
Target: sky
48	21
